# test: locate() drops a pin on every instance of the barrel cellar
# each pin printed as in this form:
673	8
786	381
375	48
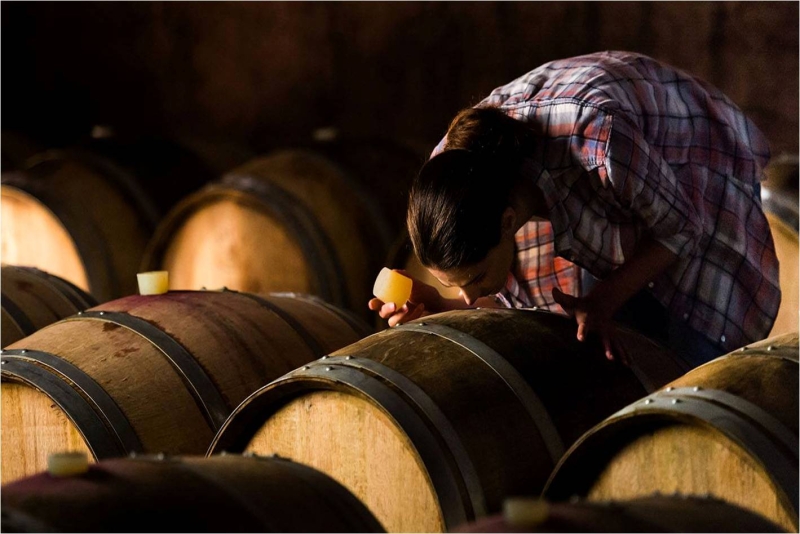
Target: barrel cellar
400	267
154	493
446	415
153	373
32	299
727	429
290	221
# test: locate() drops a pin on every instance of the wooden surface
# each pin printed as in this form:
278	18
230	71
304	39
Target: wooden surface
225	237
106	230
646	451
692	460
786	248
576	387
364	450
40	297
33	236
33	428
214	248
659	513
190	494
239	343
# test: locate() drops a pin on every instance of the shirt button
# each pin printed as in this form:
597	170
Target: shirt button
685	316
651	285
722	339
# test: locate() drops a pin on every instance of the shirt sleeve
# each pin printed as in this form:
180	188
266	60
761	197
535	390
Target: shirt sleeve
643	183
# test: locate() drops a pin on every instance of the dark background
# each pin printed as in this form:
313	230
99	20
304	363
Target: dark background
259	74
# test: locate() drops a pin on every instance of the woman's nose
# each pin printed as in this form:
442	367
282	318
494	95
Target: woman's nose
468	296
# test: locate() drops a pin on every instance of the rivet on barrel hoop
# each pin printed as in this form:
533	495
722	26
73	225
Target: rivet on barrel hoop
423	324
670	388
329	368
770	348
648	401
535	308
675	401
4	362
80	313
743	349
348	357
102	313
23	351
696	388
324	358
306	368
161	456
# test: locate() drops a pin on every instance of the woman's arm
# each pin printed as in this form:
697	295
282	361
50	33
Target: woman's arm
595	310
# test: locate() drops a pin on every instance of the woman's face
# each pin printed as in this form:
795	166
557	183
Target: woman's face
487	277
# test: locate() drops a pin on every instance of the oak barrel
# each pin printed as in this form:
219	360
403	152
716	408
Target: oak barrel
287	221
186	494
153	373
660	513
433	422
166	170
381	171
32	299
781	210
728	429
76	220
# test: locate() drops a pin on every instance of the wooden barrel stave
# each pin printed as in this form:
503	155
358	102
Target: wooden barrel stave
735	438
661	513
193	356
75	222
298	202
33	299
463	416
190	494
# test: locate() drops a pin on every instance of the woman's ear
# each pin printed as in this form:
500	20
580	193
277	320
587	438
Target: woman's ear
508	223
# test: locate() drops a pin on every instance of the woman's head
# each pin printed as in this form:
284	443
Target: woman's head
455	208
458	199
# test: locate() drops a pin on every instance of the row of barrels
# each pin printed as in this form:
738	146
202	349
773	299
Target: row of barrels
431	425
232	493
318	219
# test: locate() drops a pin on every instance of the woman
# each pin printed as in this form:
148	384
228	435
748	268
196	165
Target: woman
644	176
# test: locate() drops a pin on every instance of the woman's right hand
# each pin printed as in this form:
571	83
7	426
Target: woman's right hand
424	300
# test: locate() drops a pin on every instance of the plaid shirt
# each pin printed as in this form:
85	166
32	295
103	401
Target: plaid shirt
632	146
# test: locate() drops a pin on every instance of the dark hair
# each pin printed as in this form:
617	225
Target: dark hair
457	200
487	130
456	206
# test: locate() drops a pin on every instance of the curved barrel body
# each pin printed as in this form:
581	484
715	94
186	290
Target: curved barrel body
153	373
728	429
433	423
77	220
185	494
289	221
33	299
659	513
781	211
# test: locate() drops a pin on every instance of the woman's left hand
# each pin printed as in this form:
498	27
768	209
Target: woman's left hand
592	315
